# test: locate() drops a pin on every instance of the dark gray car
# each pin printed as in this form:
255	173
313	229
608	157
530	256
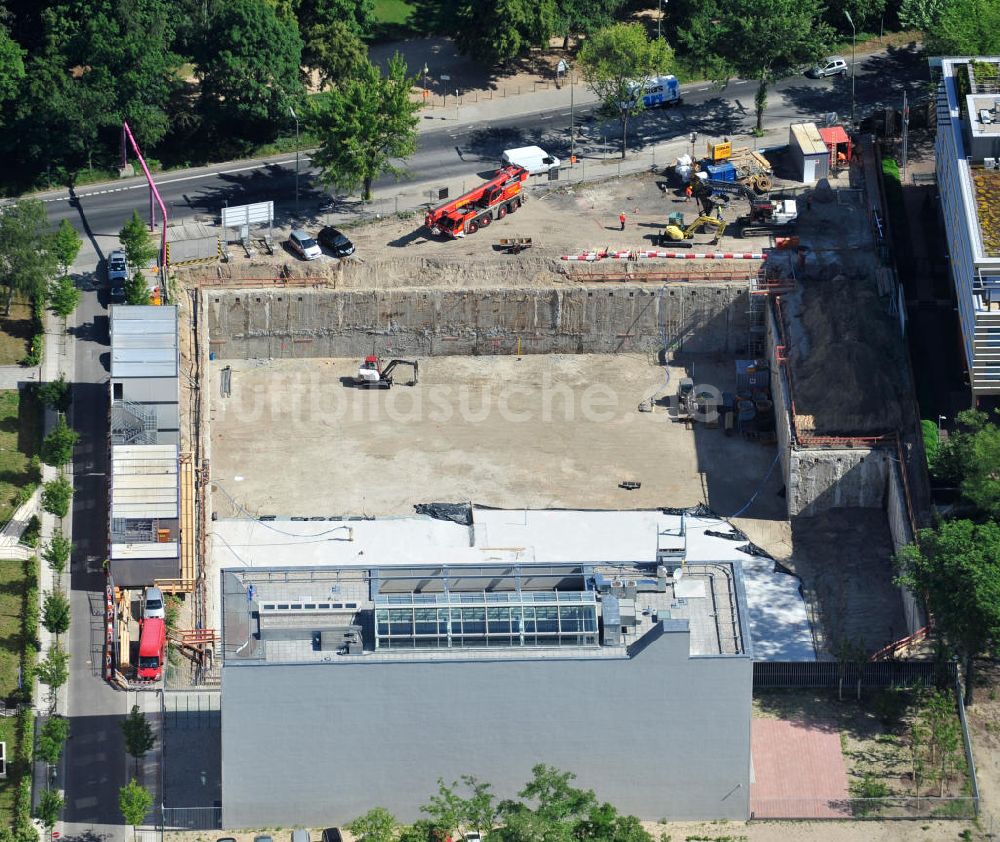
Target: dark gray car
335	242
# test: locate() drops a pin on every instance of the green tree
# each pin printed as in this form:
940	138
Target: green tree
11	67
26	261
55	612
969	458
55	394
763	40
53	669
66	245
377	825
582	17
52	739
249	69
957	568
560	813
49	808
358	15
56	496
136	289
605	824
967	28
128	47
363	125
63	296
134	802
920	14
617	62
334	50
57	552
450	811
494	33
57	447
137	243
139	736
864	13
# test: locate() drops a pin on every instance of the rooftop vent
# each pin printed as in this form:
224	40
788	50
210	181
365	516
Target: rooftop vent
285	607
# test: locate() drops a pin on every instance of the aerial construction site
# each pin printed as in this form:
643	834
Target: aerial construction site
763	376
732	352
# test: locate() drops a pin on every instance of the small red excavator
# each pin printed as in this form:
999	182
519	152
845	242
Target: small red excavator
372	374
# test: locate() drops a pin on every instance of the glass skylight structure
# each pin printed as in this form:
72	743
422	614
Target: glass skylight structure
483	619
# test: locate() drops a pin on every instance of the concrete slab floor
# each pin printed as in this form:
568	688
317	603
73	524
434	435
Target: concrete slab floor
544	431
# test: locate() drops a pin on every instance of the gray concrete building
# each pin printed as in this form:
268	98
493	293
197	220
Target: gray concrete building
361	682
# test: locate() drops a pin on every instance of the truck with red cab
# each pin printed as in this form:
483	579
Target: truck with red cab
152	649
493	199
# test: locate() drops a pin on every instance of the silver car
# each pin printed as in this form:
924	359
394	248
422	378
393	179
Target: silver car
831	66
153	605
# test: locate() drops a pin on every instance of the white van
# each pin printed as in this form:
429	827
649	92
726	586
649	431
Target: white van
533	158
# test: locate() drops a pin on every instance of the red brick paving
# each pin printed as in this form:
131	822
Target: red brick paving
799	771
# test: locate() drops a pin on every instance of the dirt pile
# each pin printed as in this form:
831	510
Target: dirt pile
848	371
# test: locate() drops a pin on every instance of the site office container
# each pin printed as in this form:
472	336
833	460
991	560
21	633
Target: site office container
152	649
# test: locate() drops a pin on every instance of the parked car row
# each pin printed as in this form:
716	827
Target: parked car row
309	248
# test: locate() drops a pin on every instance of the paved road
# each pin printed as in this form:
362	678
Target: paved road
459	148
95	765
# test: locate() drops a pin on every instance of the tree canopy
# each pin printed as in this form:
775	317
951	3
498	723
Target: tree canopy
249	69
497	32
970	458
967	28
957	568
617	62
27	260
365	125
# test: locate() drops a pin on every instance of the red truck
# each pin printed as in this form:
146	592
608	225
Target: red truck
492	199
152	649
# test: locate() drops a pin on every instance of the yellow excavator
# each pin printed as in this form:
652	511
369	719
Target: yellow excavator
673	233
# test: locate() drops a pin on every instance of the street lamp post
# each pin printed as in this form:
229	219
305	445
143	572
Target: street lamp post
854	46
659	18
940	419
572	122
295	117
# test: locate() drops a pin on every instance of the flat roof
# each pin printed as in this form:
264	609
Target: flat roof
144	482
143	341
278	620
777	621
808	139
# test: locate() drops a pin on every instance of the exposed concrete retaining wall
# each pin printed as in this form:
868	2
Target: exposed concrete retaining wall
247	324
828	478
902	535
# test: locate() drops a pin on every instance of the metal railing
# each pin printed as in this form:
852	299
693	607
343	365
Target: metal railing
879	674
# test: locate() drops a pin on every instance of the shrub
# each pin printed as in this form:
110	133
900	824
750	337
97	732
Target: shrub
56	496
32	532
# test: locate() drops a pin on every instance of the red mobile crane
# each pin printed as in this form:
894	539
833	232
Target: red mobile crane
476	209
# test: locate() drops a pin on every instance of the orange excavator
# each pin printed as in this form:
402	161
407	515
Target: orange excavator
492	199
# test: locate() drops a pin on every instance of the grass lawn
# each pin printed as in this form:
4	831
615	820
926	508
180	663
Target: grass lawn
15	334
19	431
394	20
393	11
11	603
8	734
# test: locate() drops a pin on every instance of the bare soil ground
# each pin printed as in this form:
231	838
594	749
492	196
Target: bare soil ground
540	431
